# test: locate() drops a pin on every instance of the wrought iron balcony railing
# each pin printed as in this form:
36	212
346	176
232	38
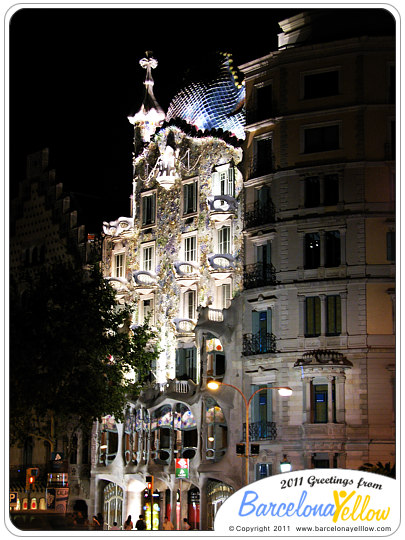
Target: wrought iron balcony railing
258	275
259	343
261	430
259	213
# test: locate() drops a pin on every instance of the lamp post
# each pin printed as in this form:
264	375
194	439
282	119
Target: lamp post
282	390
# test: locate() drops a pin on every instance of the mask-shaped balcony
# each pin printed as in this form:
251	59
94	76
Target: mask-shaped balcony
222	207
187	273
221	265
145	282
122	225
184	326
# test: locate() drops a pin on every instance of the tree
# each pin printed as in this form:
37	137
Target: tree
72	353
379	468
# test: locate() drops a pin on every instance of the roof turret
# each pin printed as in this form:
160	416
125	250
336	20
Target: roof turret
150	116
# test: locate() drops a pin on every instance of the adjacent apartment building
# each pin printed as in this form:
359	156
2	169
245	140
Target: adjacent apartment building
260	244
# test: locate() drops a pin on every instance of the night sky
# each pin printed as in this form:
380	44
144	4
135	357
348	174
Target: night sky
75	77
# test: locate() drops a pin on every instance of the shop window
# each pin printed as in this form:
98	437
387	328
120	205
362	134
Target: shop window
312	316
312	250
148	209
217	431
333	315
321	84
332	248
113	497
322	138
186	364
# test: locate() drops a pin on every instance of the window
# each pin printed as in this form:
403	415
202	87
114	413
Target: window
261	340
333	315
186	364
331	189
322	138
263	156
264	98
148	209
108	440
215	358
223	182
217	431
190	248
261	412
263	470
226	295
224	240
190	190
391	246
312	250
312	316
320	397
185	431
189	304
332	248
146	310
321	84
119	261
148	258
312	192
227	182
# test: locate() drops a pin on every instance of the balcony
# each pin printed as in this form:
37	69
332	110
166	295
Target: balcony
259	343
262	430
221	265
258	214
222	207
258	275
145	282
187	273
184	326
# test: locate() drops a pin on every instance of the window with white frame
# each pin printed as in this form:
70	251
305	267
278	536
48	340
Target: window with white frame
146	310
148	209
148	257
119	265
223	182
225	295
190	248
224	240
190	197
189	304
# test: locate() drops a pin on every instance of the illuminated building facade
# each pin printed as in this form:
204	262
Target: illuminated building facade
271	267
319	274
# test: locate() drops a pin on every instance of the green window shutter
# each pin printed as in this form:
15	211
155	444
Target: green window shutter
255	322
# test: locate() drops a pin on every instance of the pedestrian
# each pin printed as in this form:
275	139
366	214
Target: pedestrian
100	519
167	524
128	525
115	527
140	525
186	525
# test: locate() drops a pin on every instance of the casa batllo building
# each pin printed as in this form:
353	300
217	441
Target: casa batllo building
262	250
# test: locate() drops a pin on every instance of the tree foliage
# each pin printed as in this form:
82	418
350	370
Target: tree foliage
71	350
379	468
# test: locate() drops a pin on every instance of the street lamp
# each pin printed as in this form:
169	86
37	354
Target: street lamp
284	391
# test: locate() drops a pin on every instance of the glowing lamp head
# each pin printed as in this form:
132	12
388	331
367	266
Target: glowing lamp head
285	392
213	385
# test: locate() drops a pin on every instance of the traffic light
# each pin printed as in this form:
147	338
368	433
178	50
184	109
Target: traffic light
149	483
31	476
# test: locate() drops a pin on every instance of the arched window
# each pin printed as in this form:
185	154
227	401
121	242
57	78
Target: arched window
161	434
216	431
108	446
186	435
